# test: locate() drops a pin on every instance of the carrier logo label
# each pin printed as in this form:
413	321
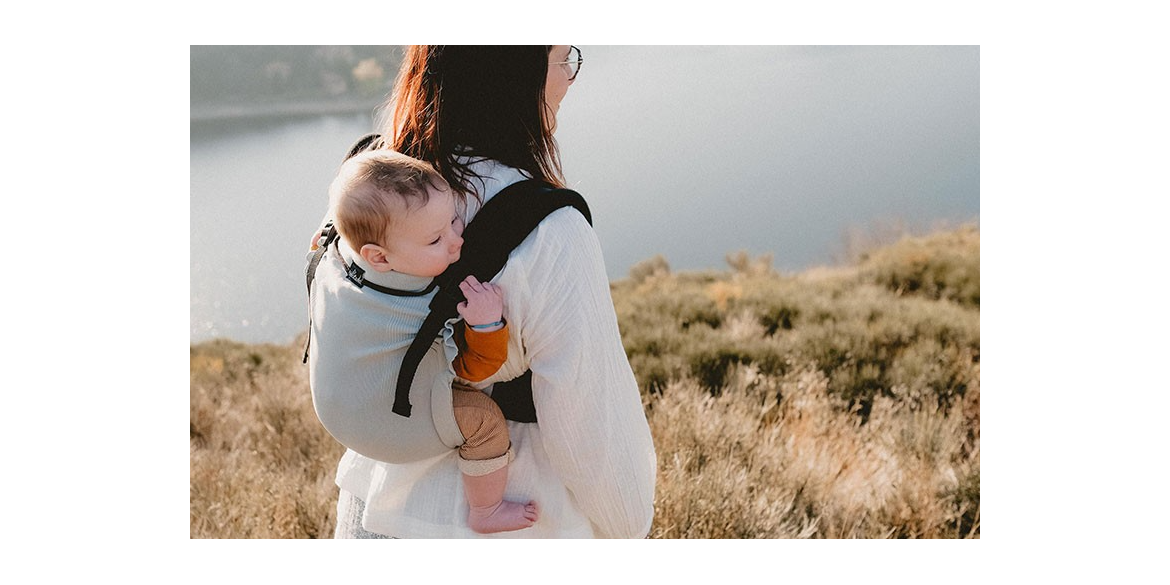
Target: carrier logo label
356	275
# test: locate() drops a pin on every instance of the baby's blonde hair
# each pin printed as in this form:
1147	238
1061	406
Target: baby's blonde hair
373	188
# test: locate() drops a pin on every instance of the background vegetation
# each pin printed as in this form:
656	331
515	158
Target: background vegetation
269	76
835	403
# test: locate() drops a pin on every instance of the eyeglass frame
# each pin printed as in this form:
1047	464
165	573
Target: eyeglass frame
579	61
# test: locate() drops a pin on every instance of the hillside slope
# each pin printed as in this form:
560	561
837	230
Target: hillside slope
837	402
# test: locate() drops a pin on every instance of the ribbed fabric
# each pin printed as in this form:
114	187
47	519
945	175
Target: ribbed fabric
590	462
359	341
479	467
485	431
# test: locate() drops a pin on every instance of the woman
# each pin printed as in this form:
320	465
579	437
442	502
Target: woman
485	117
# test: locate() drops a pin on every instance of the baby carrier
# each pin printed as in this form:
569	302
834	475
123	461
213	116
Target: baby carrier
397	407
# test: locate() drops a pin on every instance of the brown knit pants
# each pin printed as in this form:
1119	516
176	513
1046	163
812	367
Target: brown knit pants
485	434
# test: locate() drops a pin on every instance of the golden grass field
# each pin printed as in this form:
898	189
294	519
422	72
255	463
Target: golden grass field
834	403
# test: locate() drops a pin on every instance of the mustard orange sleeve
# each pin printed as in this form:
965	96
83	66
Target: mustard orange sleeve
484	354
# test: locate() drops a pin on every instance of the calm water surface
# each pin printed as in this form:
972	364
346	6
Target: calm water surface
688	152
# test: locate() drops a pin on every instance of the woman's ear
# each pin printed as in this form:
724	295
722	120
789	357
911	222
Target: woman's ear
376	256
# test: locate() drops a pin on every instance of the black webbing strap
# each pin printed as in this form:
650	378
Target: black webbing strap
327	236
329	233
501	225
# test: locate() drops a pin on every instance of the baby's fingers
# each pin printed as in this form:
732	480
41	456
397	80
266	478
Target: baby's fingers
472	282
469	291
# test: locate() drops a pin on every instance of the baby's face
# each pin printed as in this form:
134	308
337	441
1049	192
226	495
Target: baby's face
428	238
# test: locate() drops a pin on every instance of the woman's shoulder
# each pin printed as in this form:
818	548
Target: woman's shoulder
562	240
493	176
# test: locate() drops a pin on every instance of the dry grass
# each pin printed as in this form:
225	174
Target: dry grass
746	465
837	403
261	464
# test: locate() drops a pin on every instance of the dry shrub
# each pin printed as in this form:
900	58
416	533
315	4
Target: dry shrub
723	293
746	464
650	268
943	265
742	263
864	337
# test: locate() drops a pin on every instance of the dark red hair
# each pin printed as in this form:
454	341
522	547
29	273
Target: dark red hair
453	104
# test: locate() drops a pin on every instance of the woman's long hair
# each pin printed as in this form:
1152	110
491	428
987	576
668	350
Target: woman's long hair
455	104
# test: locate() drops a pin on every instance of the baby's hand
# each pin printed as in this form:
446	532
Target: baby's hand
484	304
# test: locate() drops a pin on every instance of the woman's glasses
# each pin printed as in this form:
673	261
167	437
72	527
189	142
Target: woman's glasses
574	62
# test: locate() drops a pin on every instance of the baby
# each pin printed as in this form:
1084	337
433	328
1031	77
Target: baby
399	215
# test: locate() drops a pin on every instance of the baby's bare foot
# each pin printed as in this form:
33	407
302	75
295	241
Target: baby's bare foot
503	517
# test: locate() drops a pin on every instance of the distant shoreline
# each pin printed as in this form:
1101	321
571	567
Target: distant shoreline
222	112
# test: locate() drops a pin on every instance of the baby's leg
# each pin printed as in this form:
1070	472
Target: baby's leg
483	459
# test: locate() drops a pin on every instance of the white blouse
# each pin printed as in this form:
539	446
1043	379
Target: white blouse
589	463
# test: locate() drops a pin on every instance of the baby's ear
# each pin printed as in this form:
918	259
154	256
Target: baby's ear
376	257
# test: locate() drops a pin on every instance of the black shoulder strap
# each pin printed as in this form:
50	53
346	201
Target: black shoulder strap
501	225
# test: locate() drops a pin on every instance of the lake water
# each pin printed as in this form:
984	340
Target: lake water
688	152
